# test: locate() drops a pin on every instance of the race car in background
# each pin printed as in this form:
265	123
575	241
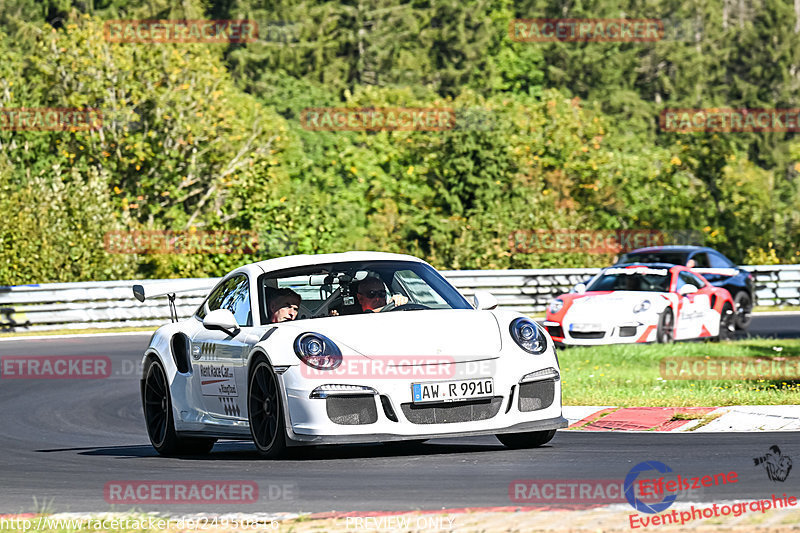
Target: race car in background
641	303
709	263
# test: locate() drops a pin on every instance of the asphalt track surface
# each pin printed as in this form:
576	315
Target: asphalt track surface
63	440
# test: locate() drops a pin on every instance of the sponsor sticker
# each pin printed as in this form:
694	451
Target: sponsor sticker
216	380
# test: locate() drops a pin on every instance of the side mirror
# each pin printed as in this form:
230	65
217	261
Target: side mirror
687	289
221	319
580	288
484	300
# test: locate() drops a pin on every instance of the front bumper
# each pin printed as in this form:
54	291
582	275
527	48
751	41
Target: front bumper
625	333
523	427
388	413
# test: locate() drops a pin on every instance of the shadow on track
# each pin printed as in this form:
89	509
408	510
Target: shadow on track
245	451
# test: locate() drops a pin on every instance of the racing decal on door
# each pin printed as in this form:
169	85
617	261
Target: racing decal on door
205	350
217	381
229	406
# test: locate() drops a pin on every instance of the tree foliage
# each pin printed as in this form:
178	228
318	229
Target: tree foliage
554	135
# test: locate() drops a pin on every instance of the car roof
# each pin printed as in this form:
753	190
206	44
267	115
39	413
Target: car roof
668	266
671	248
291	261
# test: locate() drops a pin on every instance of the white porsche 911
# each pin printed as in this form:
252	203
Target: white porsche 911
346	348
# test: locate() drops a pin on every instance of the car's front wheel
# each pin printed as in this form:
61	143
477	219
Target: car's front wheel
665	333
531	439
264	410
744	309
158	416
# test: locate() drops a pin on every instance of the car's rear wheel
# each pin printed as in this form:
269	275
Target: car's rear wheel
744	309
264	410
665	333
158	416
531	439
727	323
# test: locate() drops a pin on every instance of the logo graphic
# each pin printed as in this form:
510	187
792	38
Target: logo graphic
630	494
777	465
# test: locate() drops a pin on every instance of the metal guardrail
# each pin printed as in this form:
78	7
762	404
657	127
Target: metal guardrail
110	304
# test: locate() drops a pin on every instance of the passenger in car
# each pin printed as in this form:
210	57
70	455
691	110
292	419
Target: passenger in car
283	305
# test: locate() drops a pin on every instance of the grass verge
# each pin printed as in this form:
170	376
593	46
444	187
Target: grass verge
628	375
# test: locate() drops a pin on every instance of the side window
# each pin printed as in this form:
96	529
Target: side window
701	260
685	278
719	261
234	295
679	282
695	280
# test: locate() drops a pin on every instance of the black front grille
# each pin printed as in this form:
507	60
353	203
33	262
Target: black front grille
387	408
352	410
450	412
555	331
587	334
536	395
627	331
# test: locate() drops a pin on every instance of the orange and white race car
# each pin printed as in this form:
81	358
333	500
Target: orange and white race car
641	303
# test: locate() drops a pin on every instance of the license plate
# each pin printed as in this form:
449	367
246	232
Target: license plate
585	327
448	391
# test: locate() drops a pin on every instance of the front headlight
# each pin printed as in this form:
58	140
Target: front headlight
641	306
317	351
555	305
528	335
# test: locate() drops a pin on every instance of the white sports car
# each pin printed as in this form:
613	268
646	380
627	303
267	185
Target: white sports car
346	348
641	303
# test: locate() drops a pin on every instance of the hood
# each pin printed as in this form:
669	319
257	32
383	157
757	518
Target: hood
465	335
602	307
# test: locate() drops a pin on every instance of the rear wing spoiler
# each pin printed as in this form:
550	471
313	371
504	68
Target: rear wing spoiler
170	289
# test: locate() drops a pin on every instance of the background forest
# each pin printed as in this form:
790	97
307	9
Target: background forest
551	135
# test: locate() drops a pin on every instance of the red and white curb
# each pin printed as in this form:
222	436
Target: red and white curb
735	418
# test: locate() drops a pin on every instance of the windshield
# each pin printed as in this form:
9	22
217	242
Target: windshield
672	258
632	279
340	289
